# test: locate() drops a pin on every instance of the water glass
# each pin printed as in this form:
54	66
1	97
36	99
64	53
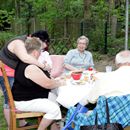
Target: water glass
108	68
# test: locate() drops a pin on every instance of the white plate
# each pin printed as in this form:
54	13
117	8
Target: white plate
78	82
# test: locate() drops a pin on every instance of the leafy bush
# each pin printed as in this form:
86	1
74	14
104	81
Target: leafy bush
97	56
5	19
5	36
115	45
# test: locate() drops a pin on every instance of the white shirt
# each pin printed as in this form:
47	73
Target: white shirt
113	83
45	58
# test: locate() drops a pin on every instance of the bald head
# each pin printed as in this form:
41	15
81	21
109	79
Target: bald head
123	58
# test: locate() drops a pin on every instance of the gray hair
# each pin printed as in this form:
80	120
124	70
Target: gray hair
32	43
83	38
123	57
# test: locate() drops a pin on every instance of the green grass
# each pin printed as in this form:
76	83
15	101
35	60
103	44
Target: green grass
3	125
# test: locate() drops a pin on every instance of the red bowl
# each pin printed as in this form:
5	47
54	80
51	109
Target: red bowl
76	76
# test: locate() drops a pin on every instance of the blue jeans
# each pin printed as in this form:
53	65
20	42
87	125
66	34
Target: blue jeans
11	81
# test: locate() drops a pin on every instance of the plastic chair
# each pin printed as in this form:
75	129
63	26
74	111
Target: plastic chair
79	109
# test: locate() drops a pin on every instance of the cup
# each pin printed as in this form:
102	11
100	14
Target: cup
108	68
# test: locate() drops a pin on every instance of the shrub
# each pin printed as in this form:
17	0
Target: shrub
5	36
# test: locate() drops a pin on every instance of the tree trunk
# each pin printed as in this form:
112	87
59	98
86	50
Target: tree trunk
87	13
113	19
113	26
66	27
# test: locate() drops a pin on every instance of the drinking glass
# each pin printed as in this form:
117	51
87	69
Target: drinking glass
108	68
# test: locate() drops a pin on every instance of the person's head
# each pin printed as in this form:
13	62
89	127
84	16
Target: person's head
43	36
33	46
123	58
82	43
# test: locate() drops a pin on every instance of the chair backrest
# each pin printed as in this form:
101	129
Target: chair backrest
7	86
57	65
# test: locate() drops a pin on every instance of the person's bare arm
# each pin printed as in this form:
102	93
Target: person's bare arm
35	74
18	48
69	67
72	68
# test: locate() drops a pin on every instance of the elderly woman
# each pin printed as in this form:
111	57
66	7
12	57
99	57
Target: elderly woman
79	58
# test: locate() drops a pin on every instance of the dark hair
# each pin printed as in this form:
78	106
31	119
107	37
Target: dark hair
42	34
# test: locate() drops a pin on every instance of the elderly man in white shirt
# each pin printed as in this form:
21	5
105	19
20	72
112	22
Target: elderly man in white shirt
114	83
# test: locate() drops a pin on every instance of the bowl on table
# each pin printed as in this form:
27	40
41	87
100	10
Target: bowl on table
76	75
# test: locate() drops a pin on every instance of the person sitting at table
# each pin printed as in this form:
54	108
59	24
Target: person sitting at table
114	83
79	58
32	85
115	86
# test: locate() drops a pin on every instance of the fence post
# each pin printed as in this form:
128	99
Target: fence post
105	35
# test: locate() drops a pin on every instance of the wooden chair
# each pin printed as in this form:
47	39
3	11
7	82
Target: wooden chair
15	114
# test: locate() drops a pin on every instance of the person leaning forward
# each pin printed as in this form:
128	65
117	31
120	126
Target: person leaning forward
32	85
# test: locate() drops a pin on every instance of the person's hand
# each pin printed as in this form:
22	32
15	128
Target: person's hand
47	67
79	70
62	82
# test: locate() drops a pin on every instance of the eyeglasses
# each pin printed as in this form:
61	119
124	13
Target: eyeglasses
82	43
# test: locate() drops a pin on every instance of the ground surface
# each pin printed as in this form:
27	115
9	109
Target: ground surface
105	60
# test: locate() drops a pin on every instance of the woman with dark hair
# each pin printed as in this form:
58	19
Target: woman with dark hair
44	57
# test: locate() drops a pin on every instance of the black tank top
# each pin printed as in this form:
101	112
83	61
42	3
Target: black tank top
8	57
25	89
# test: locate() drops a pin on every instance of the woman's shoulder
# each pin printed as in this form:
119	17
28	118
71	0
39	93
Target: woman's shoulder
73	51
87	52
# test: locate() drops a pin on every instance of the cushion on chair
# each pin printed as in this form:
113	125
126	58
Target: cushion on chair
57	65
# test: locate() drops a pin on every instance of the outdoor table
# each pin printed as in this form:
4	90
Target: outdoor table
75	91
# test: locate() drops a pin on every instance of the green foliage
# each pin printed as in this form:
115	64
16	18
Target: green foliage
61	46
97	56
5	36
3	125
5	18
115	45
99	9
6	5
96	39
49	11
62	18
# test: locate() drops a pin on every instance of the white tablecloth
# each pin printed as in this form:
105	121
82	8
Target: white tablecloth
71	94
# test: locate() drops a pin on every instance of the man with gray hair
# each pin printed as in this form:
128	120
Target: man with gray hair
114	83
123	58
